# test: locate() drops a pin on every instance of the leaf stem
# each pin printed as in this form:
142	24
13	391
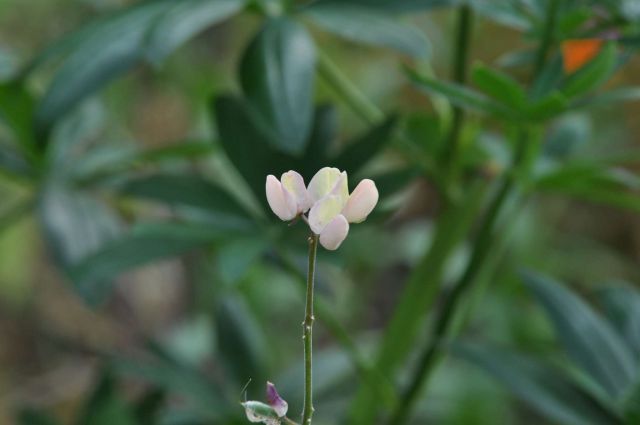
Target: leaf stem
307	333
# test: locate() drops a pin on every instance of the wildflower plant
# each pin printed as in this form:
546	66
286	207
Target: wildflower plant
328	208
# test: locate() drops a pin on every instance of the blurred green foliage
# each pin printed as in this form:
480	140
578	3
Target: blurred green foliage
143	279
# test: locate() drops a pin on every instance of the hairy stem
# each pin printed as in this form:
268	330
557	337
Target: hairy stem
307	333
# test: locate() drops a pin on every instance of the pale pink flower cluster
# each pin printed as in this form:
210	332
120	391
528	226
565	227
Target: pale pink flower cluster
331	208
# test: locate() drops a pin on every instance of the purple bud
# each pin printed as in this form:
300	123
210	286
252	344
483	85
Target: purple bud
275	401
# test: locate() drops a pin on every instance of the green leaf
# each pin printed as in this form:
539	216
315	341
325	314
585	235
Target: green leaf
369	25
323	134
12	161
182	21
145	244
390	182
622	306
108	48
499	86
631	405
548	107
588	339
241	343
359	152
403	6
544	388
164	372
593	74
105	405
246	147
460	95
17	110
610	98
255	158
594	182
277	74
193	191
76	225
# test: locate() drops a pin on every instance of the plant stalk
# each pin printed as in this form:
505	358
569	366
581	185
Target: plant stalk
459	74
547	37
307	333
483	245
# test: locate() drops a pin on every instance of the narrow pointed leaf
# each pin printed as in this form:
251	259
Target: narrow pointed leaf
182	21
544	388
588	339
277	74
370	26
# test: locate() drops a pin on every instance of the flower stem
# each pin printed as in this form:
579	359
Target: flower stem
307	333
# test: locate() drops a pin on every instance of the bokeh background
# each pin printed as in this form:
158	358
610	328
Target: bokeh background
131	293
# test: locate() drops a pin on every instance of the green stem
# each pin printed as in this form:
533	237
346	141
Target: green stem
383	388
442	322
307	333
547	37
349	93
371	114
459	74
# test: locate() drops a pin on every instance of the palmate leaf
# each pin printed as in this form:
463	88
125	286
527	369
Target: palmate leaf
589	340
543	387
370	26
277	73
105	49
255	157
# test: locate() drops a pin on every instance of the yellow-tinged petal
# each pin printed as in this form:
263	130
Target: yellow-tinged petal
281	201
361	202
328	180
334	233
294	183
323	211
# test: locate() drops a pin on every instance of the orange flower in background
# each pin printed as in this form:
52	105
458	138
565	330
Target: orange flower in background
577	53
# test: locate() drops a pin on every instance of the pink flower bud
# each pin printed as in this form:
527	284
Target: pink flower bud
334	233
361	202
282	201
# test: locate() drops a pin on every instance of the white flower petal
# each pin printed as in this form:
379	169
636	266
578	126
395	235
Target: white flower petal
341	189
323	211
281	201
294	183
361	202
334	233
323	183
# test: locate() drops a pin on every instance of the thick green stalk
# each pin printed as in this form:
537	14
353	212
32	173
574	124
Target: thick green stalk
307	333
482	247
418	294
459	74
